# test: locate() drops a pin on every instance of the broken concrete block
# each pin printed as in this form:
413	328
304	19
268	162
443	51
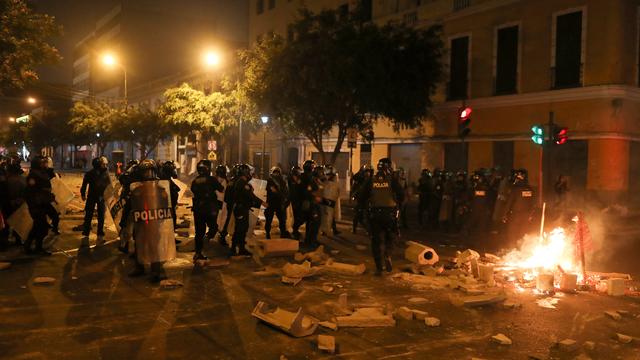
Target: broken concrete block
4	265
327	343
299	270
417	300
296	324
327	288
613	314
615	287
290	280
544	282
344	269
432	321
568	282
366	317
361	247
404	313
329	325
501	339
481	300
466	256
419	314
568	345
276	247
44	280
492	258
420	254
473	263
625	339
485	273
589	345
168	284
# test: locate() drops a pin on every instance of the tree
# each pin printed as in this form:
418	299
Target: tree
92	121
338	72
141	125
24	43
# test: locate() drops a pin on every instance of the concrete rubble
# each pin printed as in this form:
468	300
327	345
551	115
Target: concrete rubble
329	325
432	321
501	339
317	256
481	300
299	270
625	339
168	284
291	280
404	313
275	247
296	324
613	314
568	345
420	254
466	256
548	302
44	280
344	269
419	314
327	343
492	258
366	317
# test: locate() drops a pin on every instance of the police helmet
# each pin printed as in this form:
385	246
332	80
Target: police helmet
318	171
520	176
385	165
221	171
329	170
95	163
275	171
168	170
425	172
203	167
147	169
295	171
308	166
245	170
132	163
38	162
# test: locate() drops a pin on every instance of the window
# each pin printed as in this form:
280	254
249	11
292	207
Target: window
460	4
507	61
568	50
259	7
272	4
459	68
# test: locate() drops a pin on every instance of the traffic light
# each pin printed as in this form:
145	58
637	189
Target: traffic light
464	120
560	135
538	134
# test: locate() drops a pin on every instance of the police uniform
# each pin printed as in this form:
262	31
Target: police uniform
520	206
97	180
425	190
38	195
205	209
480	206
384	194
52	212
243	200
361	178
277	200
311	198
168	172
295	196
12	196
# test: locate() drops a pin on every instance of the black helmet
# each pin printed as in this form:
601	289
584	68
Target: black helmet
275	171
221	171
308	166
329	170
520	176
38	162
132	163
168	170
295	171
385	165
426	172
204	167
147	169
318	171
245	170
95	163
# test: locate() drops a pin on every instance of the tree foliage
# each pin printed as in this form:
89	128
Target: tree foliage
49	128
24	43
337	73
141	125
92	122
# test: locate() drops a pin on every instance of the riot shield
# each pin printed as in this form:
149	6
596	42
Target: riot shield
152	221
260	190
63	194
21	222
114	203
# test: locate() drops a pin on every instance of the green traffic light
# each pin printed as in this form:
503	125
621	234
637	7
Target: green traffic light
537	139
536	129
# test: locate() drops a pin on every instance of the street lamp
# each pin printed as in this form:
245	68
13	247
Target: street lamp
110	60
265	120
212	59
31	100
12	119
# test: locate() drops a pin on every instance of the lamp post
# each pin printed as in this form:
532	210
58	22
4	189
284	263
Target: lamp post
265	120
111	61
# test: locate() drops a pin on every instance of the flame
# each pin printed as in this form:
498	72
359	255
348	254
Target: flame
552	252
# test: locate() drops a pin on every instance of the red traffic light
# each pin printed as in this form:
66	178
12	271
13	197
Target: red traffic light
465	113
561	135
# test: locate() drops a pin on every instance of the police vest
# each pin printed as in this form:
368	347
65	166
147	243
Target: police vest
382	192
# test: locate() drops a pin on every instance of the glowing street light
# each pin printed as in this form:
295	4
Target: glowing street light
110	60
31	100
212	58
12	119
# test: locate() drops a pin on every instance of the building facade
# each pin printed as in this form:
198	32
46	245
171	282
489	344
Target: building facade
516	63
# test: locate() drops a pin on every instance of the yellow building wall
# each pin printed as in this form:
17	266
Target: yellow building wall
527	155
606	159
378	151
480	155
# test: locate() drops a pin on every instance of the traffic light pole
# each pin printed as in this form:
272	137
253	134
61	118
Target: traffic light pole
544	163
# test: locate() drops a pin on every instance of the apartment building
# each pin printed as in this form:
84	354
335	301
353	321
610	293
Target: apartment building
513	62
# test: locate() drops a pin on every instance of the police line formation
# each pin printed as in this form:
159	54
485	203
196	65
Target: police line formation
143	205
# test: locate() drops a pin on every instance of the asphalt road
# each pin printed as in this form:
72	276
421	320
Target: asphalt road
95	311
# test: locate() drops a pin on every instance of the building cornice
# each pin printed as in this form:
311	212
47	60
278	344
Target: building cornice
552	96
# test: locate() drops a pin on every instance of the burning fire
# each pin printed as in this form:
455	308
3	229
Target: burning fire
553	252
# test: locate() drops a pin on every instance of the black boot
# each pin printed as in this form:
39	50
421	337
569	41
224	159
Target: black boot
138	271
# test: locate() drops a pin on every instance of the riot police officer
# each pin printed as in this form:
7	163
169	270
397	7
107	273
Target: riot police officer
520	207
446	203
425	190
205	205
311	199
97	179
228	200
384	194
12	195
243	200
129	176
295	196
278	200
221	175
461	199
52	212
38	195
168	172
360	215
479	204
